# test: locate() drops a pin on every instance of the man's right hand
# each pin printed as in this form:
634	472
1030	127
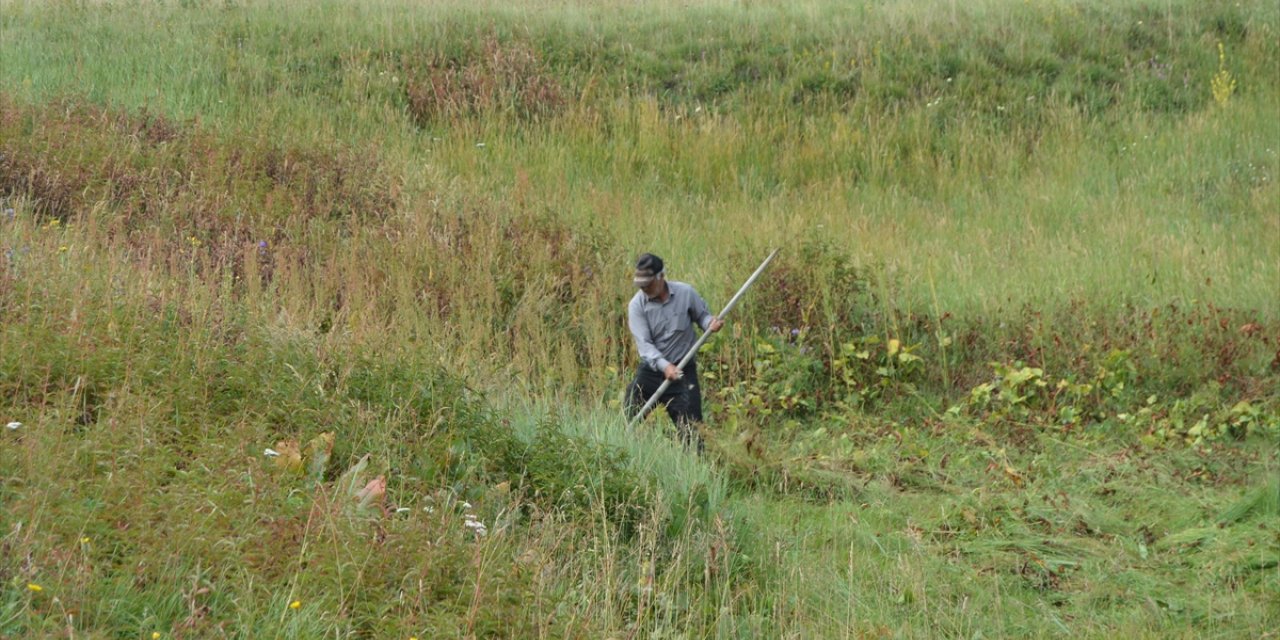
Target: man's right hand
672	373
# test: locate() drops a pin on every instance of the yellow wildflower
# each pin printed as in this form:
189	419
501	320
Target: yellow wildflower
35	587
296	604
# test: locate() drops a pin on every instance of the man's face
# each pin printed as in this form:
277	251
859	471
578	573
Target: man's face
650	284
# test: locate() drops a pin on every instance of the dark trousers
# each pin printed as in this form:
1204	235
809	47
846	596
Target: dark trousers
683	399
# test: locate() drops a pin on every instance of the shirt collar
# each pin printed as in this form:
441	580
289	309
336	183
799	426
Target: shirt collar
658	298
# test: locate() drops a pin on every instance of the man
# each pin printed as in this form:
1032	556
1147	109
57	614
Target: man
662	315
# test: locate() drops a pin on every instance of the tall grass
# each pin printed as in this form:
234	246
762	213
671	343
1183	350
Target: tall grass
1095	169
137	497
228	227
945	142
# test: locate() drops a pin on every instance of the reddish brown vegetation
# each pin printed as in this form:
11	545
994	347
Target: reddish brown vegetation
70	157
506	77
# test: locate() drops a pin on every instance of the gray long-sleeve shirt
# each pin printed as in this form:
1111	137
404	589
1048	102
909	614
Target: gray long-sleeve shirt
664	330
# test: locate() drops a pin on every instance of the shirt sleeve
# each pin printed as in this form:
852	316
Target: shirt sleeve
649	352
698	310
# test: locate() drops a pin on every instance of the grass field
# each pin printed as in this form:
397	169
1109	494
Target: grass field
1014	373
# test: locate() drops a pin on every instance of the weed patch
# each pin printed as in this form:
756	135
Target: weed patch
505	78
70	158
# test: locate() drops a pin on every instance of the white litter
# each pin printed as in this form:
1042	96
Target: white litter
13	426
270	453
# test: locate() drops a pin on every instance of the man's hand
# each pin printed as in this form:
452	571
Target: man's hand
672	373
716	323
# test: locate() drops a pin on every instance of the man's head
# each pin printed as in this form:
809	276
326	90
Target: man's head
649	273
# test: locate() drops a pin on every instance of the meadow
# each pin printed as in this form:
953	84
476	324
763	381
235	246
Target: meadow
312	318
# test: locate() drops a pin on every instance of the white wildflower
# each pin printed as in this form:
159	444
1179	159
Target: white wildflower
475	525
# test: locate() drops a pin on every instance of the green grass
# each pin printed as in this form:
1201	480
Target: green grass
1075	145
234	226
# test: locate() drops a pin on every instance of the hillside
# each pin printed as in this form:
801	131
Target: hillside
312	318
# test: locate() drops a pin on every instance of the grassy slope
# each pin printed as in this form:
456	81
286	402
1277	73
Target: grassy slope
152	348
947	145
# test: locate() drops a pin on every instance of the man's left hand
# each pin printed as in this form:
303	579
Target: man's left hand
715	325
